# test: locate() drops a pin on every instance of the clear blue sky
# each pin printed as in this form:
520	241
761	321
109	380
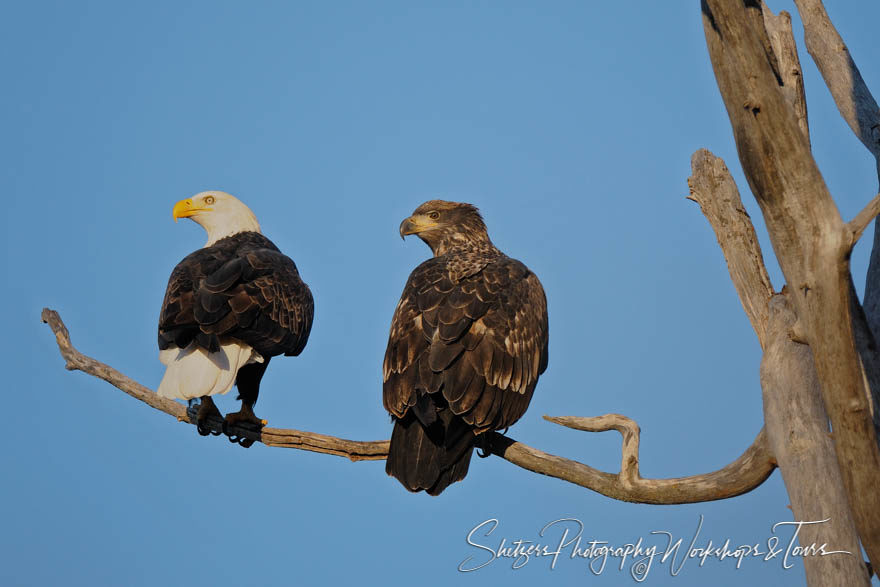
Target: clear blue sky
570	124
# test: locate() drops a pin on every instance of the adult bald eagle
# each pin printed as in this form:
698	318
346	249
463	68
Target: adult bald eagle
228	309
468	342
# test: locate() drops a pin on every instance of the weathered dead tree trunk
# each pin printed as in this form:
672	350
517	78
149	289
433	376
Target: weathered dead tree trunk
794	415
758	73
797	431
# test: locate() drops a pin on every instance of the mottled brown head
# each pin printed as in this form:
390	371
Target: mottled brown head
446	226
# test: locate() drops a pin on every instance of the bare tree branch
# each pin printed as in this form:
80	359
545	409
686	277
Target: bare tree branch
712	187
76	361
860	111
832	57
808	236
784	48
871	302
629	431
858	108
740	476
783	44
794	416
858	224
867	346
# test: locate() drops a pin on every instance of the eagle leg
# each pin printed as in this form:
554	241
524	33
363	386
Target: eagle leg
207	408
248	382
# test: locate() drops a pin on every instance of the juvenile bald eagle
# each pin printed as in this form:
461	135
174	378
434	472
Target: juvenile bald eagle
468	342
228	309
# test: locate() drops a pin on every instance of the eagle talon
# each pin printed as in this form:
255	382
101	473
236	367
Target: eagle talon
234	438
207	408
483	448
245	418
206	430
240	440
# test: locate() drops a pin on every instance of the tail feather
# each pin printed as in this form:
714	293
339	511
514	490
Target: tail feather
194	372
430	458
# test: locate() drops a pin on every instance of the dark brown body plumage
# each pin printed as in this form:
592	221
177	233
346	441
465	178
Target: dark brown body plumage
468	342
243	288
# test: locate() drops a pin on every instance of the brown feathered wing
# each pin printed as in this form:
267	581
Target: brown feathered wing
242	288
462	358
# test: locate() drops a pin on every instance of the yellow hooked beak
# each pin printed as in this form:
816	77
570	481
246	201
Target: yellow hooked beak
186	208
415	224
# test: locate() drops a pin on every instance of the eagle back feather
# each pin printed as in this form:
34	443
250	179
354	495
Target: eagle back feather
480	341
243	288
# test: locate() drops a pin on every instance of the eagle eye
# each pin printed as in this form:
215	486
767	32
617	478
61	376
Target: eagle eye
433	215
209	200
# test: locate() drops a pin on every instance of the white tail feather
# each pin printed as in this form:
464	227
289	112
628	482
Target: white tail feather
193	372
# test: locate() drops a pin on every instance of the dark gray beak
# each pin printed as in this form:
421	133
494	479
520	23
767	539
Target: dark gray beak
407	227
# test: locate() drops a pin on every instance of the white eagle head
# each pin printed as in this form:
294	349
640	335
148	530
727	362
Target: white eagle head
219	213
